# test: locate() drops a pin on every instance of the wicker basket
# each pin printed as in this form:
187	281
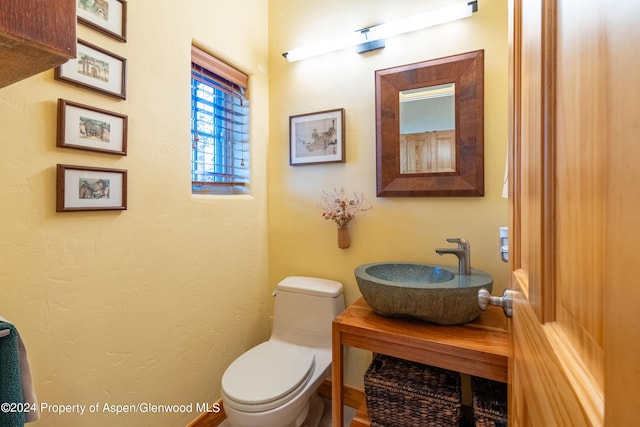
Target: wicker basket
489	402
400	393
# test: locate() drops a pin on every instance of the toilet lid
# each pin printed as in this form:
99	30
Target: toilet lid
267	372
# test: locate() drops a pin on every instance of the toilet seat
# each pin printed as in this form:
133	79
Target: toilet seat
267	376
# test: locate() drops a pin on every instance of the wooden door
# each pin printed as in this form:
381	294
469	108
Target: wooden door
574	181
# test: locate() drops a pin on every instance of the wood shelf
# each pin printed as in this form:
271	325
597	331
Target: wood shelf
479	348
35	36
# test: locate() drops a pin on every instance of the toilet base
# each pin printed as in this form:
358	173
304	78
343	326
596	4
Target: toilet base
262	419
309	417
316	410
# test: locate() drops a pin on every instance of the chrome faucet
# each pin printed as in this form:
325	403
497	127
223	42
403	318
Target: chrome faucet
463	252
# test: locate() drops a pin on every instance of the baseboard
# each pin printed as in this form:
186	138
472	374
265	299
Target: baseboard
210	418
351	396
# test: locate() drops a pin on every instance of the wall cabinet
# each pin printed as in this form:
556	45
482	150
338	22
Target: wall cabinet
35	36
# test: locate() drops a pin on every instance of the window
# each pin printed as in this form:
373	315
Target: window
219	127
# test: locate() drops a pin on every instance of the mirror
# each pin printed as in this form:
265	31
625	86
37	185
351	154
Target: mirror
430	128
427	129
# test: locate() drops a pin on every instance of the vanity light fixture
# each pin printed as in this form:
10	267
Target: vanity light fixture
372	38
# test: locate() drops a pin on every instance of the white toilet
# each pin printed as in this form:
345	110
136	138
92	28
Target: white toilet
274	383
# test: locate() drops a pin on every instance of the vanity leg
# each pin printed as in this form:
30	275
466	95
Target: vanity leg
336	378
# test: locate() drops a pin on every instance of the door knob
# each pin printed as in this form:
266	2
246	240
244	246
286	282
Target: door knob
485	299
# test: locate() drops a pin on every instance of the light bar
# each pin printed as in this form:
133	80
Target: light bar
370	35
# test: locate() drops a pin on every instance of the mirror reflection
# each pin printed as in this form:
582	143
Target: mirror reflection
427	129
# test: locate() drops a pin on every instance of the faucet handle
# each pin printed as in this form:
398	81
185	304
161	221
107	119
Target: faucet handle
463	244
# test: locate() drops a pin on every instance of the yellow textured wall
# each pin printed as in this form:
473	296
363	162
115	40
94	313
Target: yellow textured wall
151	304
114	306
301	242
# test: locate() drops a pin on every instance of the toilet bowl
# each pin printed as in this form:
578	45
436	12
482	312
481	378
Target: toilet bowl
273	384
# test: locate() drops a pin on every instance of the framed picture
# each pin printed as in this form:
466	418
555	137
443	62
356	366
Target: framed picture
96	69
88	128
107	16
83	188
316	137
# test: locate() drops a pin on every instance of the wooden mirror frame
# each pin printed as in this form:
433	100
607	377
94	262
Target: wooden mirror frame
466	70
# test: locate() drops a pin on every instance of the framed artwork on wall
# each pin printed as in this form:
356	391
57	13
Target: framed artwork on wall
96	69
88	128
84	188
317	137
107	16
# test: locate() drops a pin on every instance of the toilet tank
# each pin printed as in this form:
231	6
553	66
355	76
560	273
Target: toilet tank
304	309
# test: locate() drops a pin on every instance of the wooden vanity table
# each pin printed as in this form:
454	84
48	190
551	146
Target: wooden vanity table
479	348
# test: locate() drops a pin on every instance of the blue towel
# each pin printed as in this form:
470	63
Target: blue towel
10	378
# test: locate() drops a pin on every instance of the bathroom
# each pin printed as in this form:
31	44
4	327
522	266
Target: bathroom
151	304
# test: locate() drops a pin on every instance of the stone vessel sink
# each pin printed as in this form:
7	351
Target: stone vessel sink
435	293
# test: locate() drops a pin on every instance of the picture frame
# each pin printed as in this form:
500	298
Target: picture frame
106	16
96	69
83	127
85	188
317	137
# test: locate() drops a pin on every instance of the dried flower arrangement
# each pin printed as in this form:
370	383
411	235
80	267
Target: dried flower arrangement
341	209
